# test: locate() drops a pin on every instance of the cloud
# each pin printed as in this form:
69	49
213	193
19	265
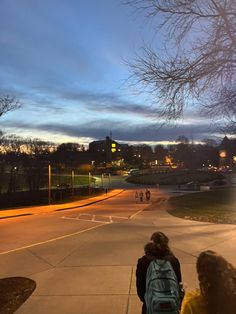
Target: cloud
62	61
108	102
121	131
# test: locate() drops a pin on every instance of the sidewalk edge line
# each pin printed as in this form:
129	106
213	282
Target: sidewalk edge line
51	240
14	216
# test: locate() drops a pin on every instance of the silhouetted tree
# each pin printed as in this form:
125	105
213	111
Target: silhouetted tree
69	147
35	160
210	142
197	61
182	139
145	151
67	155
8	103
27	157
160	152
184	153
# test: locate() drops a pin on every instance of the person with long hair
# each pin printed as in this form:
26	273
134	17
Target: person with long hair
217	283
158	248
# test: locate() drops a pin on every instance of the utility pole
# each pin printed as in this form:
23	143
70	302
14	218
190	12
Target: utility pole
49	183
72	180
109	176
102	179
89	179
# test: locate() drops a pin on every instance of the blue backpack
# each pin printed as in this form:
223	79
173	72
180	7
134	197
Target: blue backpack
162	288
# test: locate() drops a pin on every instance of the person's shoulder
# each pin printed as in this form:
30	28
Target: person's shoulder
193	295
143	259
193	302
171	258
143	263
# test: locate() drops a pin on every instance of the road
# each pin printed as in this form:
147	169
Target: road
83	260
41	228
46	226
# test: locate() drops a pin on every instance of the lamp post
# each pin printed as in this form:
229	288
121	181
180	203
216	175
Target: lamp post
49	183
102	179
109	176
72	180
89	179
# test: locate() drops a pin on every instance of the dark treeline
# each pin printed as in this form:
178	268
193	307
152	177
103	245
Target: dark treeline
28	159
24	162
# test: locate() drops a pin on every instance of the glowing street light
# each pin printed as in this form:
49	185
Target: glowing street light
222	153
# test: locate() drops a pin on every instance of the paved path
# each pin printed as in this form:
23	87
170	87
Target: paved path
37	210
92	271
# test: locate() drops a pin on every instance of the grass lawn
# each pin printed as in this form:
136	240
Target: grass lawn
78	179
217	206
175	177
22	184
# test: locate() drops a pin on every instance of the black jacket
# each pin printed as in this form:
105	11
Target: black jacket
141	272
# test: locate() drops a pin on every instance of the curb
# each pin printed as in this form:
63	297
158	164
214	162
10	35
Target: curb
62	209
87	204
14	216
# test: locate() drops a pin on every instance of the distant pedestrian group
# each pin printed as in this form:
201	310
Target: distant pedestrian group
139	196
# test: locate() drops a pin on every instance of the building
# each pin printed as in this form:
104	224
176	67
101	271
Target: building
109	149
227	154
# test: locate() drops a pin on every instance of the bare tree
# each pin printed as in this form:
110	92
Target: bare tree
197	62
8	103
182	139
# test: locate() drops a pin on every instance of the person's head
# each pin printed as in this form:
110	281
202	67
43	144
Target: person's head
161	241
159	238
150	249
217	281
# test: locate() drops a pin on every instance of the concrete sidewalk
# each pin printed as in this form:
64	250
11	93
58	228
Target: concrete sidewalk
37	210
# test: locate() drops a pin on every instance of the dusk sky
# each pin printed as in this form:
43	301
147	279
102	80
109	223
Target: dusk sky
64	60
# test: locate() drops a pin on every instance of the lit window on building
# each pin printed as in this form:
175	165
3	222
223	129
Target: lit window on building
113	147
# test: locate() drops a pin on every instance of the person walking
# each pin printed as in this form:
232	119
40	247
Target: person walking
136	196
158	248
141	196
148	195
217	282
